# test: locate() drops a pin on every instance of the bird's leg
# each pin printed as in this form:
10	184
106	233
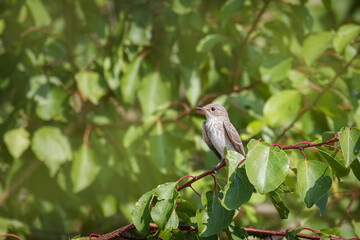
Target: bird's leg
214	168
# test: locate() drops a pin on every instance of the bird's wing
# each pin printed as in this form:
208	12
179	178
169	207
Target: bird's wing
208	142
234	137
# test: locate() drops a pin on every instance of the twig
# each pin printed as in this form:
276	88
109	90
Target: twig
86	134
187	184
302	152
308	145
10	235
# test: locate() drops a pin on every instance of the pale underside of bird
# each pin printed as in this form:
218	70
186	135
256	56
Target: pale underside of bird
218	132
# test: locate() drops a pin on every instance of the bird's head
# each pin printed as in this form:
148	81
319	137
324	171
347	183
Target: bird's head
213	111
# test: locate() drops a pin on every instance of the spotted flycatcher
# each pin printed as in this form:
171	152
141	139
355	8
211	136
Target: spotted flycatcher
218	132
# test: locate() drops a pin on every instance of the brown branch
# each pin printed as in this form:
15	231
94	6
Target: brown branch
123	233
308	145
244	42
86	134
316	100
188	183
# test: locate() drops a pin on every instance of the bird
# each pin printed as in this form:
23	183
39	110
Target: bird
218	132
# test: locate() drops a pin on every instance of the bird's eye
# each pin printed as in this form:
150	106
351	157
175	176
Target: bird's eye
212	109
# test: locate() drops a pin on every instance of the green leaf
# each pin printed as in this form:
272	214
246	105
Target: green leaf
232	158
350	144
327	4
291	235
51	147
35	82
161	234
315	45
214	218
321	204
230	8
355	167
132	134
91	85
238	233
356	226
112	72
314	181
274	69
184	210
255	127
50	103
181	7
94	21
39	13
154	93
108	204
192	85
251	144
237	191
129	83
279	204
140	35
335	159
84	169
140	215
17	141
266	167
157	147
2	26
173	221
298	79
335	231
162	212
282	108
4	222
207	43
345	35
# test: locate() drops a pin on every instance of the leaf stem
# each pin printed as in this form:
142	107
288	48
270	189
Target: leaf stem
302	152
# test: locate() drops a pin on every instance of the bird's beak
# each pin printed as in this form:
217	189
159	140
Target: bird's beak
201	110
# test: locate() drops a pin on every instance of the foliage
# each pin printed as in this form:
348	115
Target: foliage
97	102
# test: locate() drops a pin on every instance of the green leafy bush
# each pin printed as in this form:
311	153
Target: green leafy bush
97	108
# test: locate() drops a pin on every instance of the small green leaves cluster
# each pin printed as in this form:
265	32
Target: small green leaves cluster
264	172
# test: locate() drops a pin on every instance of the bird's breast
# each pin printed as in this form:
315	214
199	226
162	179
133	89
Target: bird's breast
218	136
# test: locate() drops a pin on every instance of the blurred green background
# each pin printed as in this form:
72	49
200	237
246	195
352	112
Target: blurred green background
98	96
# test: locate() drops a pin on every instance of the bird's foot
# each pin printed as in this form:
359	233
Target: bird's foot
214	168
